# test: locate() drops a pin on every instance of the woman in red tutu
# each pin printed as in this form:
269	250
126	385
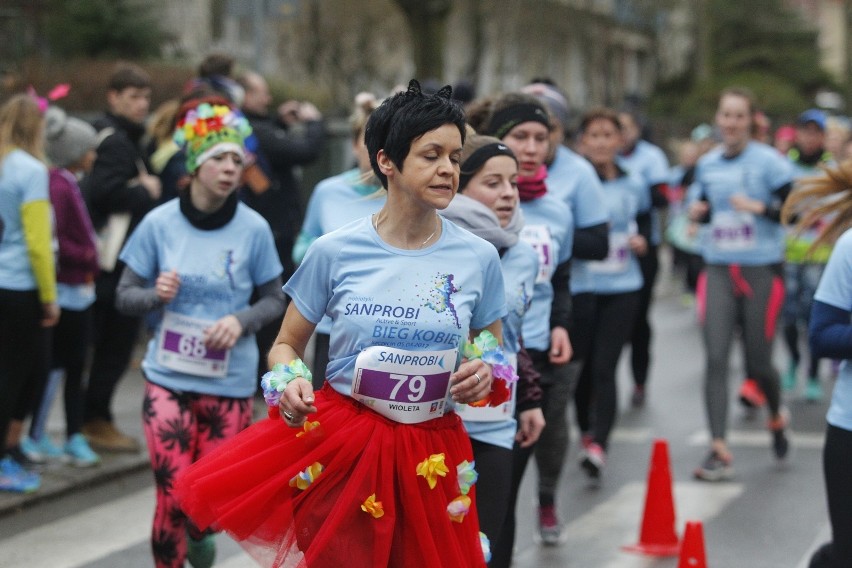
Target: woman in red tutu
375	469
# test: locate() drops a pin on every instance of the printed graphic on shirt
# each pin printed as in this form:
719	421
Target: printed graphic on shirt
440	297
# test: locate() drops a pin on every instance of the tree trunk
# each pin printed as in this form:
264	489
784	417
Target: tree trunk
427	21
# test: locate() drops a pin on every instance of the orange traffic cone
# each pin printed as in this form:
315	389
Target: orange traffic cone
692	552
657	535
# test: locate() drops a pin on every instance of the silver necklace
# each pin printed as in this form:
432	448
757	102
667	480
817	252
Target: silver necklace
423	244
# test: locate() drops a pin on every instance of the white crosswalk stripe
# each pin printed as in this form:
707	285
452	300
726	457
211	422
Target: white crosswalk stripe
91	534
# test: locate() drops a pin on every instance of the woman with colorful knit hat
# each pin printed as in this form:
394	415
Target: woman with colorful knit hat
375	469
196	261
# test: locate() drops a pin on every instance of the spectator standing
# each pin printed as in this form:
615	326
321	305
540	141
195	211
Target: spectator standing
28	303
119	192
71	145
804	264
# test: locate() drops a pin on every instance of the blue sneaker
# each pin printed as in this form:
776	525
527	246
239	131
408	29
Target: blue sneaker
31	450
813	390
48	449
79	453
789	379
16	479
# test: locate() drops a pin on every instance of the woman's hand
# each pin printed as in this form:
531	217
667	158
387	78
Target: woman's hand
561	349
741	202
530	424
638	245
167	286
50	314
297	401
472	382
698	210
224	333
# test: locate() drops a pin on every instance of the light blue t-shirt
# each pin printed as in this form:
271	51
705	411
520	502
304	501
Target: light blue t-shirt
519	266
23	179
625	197
736	237
335	202
649	162
75	297
376	294
549	228
835	289
573	179
218	270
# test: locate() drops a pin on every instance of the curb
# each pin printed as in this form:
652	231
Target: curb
60	479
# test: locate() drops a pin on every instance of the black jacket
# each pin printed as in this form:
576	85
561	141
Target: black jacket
278	152
113	186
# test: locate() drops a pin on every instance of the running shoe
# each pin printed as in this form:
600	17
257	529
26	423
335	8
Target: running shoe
548	525
16	479
593	460
788	380
202	552
750	394
780	434
79	453
586	440
813	390
30	448
715	468
637	399
22	459
41	450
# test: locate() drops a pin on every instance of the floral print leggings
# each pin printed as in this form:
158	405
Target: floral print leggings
180	428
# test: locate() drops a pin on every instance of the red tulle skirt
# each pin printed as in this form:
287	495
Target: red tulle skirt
244	488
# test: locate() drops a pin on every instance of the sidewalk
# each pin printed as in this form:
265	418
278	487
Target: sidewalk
58	479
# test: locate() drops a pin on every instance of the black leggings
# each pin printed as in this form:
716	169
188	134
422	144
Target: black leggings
838	471
640	340
71	338
493	486
23	356
596	396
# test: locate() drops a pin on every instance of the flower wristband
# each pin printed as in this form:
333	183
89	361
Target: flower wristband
275	381
486	347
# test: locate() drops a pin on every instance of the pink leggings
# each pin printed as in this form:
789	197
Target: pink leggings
180	428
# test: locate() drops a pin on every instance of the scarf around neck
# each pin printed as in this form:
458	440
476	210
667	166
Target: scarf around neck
472	215
208	221
533	187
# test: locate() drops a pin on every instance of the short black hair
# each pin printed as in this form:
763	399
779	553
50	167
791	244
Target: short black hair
403	118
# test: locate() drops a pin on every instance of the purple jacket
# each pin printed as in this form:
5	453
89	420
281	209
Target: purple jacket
78	254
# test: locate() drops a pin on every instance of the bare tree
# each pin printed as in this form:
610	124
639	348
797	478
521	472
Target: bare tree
427	20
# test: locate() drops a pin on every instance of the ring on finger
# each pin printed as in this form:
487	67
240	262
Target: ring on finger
288	416
478	378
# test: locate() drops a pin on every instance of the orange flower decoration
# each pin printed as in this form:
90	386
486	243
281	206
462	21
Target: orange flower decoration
370	505
308	426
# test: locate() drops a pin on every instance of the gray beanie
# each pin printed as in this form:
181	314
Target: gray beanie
68	138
